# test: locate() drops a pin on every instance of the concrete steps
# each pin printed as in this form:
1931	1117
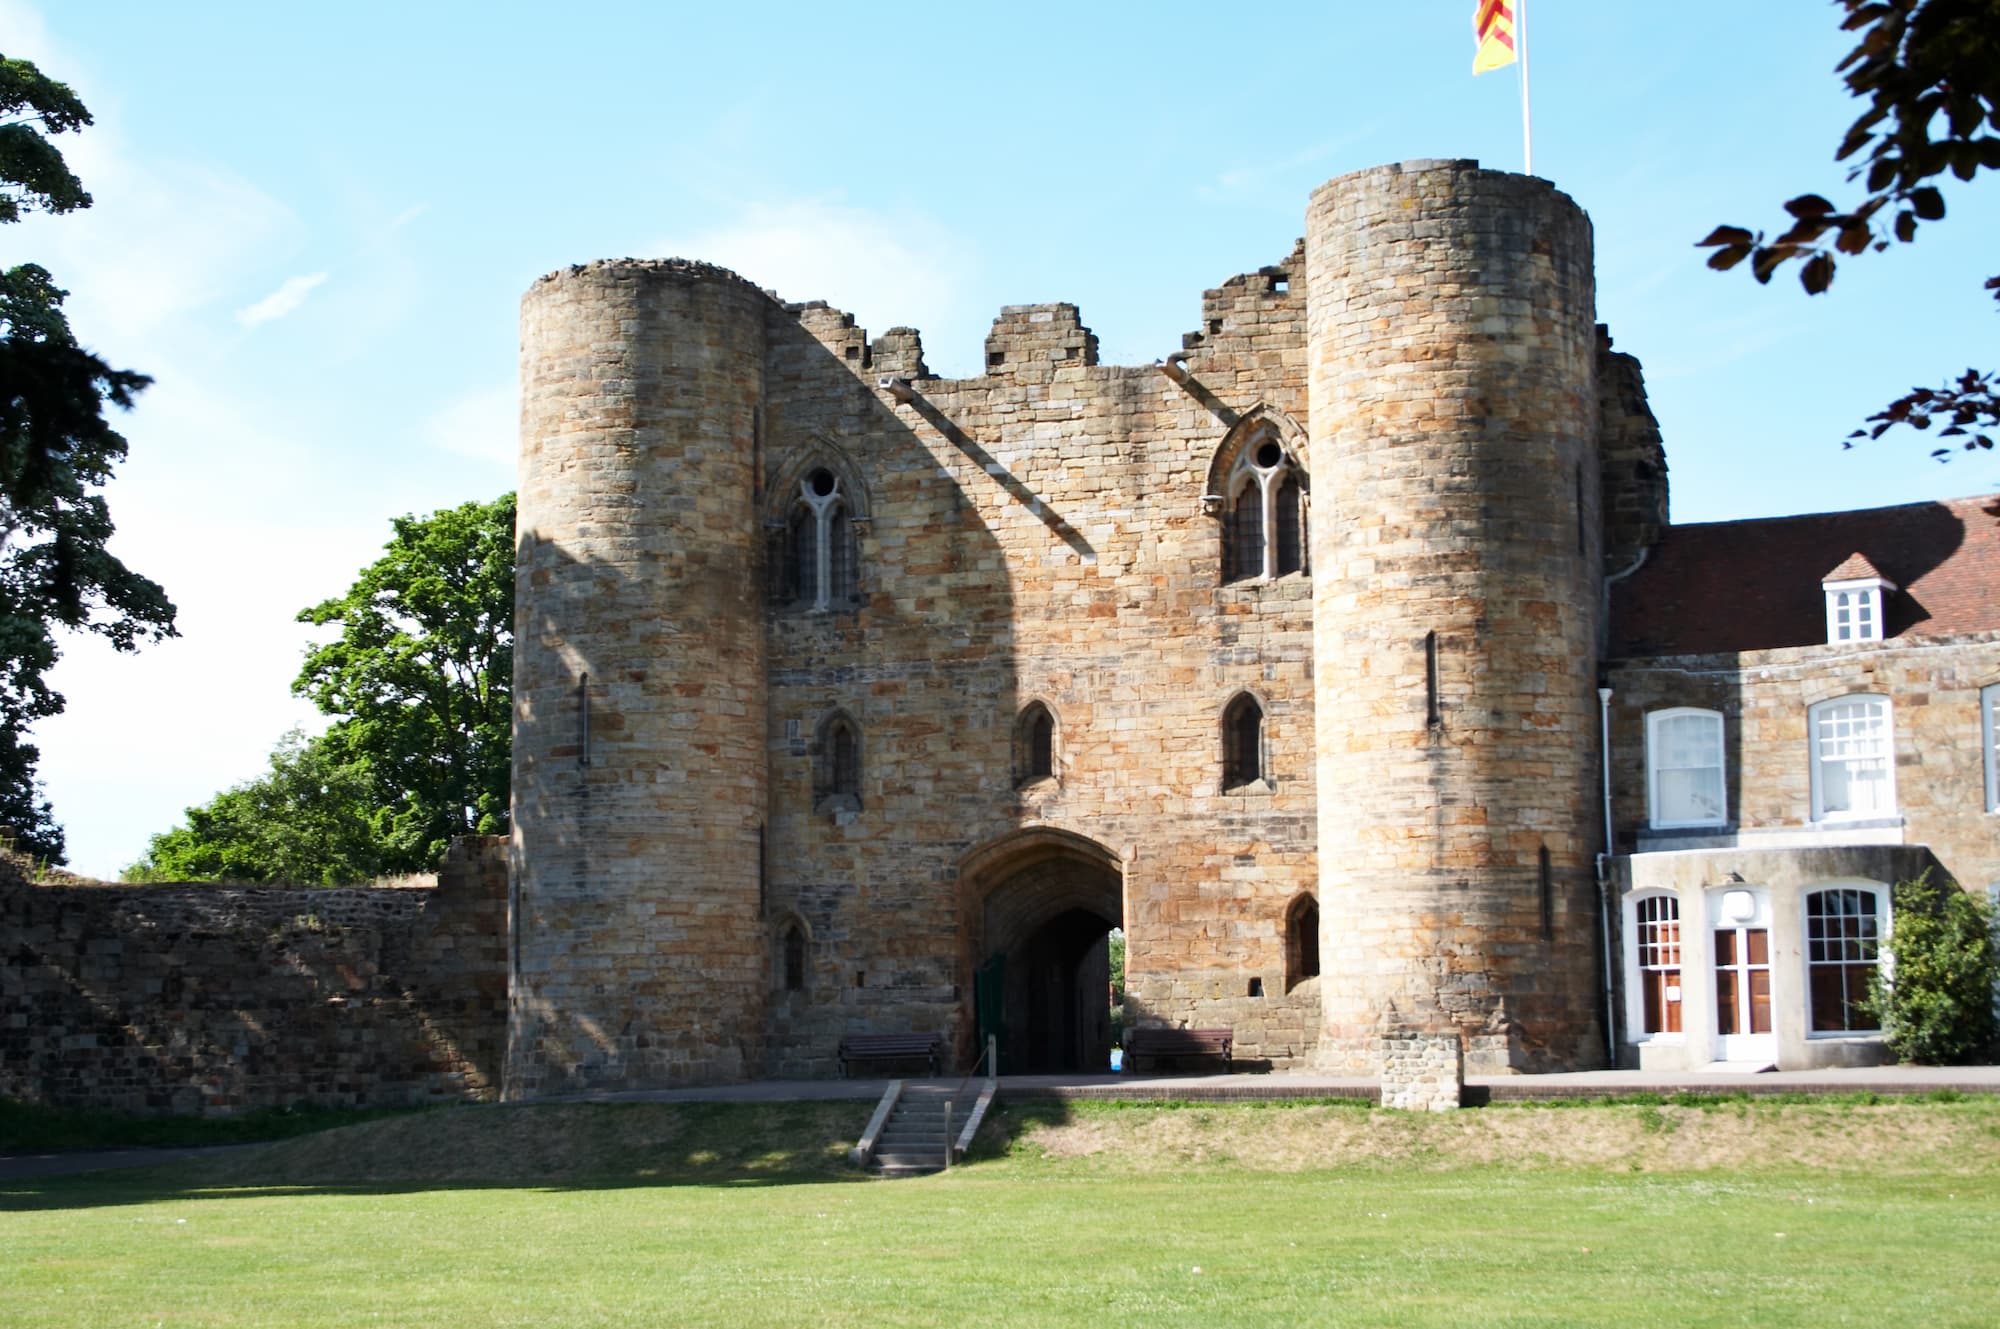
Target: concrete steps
915	1139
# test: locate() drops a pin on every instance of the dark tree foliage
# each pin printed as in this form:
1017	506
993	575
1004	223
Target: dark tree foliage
56	452
1929	71
421	676
1935	996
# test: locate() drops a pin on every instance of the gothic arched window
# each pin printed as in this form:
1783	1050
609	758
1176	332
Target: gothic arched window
1301	941
1034	744
1264	513
821	559
792	958
1242	742
837	766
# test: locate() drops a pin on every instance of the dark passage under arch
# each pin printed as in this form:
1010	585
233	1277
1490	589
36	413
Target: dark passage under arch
1046	921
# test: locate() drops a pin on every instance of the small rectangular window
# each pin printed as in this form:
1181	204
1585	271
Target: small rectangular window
1658	937
1854	611
1684	766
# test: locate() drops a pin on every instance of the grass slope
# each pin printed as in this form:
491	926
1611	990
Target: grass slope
1738	1213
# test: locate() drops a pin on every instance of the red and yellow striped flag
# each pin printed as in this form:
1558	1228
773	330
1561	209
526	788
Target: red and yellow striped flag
1493	30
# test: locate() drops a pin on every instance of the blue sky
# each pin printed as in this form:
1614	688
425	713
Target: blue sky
314	224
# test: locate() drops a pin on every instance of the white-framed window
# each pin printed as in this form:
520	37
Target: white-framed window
1684	768
1844	930
1854	609
1853	758
1655	955
1989	723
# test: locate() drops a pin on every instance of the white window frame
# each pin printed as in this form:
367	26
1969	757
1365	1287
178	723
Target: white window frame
1989	727
1816	741
1654	719
1880	895
1635	995
1854	610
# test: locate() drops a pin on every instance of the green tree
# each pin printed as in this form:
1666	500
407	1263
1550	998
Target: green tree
56	452
1935	995
1929	71
418	683
420	678
304	822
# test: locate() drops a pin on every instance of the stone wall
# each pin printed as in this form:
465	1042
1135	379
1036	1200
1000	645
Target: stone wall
1933	689
218	999
1038	534
1422	1070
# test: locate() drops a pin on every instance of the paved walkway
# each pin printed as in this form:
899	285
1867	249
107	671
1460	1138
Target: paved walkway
1299	1084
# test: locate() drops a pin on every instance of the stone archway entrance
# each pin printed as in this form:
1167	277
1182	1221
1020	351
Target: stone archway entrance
1045	903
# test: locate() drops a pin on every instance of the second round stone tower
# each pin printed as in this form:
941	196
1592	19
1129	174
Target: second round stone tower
1453	423
640	769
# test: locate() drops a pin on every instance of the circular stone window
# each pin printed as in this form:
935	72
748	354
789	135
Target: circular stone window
1268	455
821	482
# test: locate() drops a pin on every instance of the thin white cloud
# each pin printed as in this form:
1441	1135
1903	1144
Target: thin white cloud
280	302
406	216
483	425
163	241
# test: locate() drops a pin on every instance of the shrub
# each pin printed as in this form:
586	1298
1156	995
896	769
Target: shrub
1934	997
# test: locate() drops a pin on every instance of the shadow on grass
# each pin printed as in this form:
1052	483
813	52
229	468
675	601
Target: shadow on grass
562	1147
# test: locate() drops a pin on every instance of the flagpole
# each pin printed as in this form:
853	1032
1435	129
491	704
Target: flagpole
1527	132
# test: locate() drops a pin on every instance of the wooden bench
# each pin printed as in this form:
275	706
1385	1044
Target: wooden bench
1157	1043
891	1047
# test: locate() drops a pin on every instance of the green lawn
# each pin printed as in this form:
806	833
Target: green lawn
761	1237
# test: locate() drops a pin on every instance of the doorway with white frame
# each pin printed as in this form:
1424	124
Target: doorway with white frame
1740	955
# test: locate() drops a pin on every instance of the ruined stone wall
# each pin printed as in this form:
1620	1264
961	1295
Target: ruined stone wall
1933	689
1039	534
1633	460
219	999
1454	423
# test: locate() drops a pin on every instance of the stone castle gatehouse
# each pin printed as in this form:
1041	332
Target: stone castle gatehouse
852	699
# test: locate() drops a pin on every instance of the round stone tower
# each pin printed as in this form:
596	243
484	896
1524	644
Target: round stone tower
1453	406
639	713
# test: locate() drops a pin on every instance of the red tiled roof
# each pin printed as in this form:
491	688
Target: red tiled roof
1856	567
1755	585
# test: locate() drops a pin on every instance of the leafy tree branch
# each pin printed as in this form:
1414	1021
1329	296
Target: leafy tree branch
1929	71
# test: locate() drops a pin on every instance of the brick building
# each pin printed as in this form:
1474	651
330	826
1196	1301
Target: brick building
850	698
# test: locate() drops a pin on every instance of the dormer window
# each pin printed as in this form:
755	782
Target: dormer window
1854	594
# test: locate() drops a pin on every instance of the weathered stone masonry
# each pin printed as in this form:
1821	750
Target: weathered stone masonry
1423	368
207	998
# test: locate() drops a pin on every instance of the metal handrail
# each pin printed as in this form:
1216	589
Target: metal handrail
989	1057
